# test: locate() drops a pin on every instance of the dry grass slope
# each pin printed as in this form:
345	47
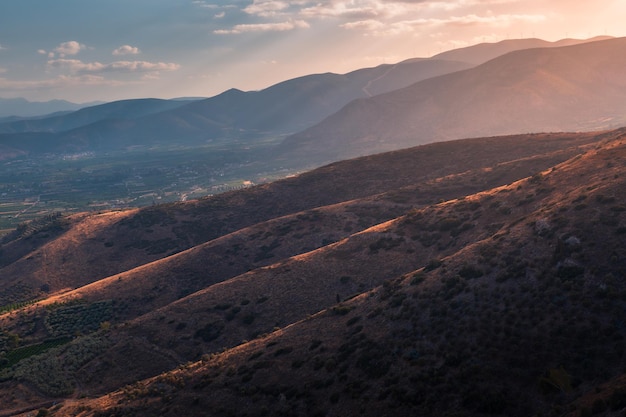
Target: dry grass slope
477	277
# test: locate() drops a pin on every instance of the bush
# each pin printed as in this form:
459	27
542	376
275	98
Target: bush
210	331
433	264
470	272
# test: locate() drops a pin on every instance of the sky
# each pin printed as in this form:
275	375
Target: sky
105	50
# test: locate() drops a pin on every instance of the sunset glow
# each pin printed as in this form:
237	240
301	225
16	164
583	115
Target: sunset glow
114	49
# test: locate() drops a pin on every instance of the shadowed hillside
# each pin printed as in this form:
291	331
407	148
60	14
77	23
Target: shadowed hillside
473	277
96	246
504	302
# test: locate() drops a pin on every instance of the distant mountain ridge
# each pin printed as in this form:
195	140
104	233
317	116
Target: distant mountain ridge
278	110
283	108
117	110
483	52
579	87
20	107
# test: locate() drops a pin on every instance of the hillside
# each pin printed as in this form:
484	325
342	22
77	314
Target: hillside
471	277
96	246
573	88
519	317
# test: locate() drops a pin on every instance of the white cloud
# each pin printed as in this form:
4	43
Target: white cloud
2	48
366	9
350	9
266	8
212	6
206	5
368	25
126	50
459	4
76	66
473	19
389	27
69	48
264	27
219	15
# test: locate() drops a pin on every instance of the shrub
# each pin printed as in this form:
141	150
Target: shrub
342	309
210	331
433	264
248	318
470	272
448	224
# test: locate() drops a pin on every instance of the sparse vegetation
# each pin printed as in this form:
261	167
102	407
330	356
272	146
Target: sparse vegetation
446	310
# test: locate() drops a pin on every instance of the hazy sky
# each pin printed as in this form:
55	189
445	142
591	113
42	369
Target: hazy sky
85	50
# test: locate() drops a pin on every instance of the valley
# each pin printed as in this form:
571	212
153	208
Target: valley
67	183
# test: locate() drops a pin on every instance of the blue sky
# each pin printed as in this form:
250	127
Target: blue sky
86	50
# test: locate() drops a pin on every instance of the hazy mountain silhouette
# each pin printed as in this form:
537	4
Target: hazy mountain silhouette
577	87
20	107
124	110
483	52
281	109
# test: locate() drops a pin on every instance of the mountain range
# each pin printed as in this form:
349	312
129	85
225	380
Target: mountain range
283	108
572	88
301	103
16	108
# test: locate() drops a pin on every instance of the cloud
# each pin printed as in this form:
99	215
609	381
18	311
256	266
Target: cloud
2	70
205	4
372	9
69	48
457	4
389	27
363	10
219	15
126	50
266	8
264	27
368	25
76	66
349	9
473	19
2	48
212	6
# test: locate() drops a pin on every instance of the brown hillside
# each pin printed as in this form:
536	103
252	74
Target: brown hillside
364	222
519	313
67	253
